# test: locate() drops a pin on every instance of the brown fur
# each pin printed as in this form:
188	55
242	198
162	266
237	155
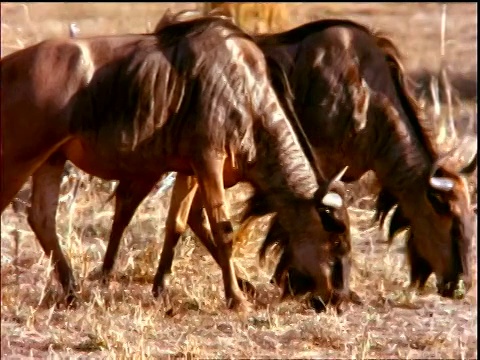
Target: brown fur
179	209
395	143
326	62
136	106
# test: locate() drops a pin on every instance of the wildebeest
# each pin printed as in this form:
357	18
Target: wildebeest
345	76
193	98
333	218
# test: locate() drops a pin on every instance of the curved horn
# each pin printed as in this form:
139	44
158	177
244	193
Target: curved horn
164	20
441	183
188	12
470	168
332	199
441	158
339	176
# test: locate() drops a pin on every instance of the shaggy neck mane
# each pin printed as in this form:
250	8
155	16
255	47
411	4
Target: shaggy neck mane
414	158
174	31
298	34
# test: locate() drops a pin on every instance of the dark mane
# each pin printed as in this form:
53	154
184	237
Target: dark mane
409	104
173	32
385	200
301	32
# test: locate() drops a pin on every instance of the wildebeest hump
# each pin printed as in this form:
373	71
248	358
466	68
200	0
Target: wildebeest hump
166	84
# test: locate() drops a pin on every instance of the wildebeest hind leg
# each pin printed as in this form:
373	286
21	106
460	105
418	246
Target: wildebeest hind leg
210	178
181	208
183	192
41	217
128	196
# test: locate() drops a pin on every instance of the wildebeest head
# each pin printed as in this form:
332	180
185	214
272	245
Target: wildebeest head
439	239
293	273
436	209
289	275
435	206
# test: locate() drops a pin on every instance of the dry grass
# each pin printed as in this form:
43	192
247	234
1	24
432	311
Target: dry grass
125	322
255	17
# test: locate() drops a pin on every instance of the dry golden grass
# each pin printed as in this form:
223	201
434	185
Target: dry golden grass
255	17
125	322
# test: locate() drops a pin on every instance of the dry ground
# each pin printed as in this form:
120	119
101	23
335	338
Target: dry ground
125	321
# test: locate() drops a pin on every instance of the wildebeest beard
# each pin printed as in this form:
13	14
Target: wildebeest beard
294	283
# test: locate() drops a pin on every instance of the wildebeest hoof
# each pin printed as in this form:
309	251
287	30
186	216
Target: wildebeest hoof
451	290
161	293
157	290
340	308
247	287
317	304
355	298
71	300
240	305
98	274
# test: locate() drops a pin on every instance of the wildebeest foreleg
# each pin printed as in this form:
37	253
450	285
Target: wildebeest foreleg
210	178
41	217
128	197
196	223
181	208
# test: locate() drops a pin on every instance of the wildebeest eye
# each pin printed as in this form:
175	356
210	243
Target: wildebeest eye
440	205
330	222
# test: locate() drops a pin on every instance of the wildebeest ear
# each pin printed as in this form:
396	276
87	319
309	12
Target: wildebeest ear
398	223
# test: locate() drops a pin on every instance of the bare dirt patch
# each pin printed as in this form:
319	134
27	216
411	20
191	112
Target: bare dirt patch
124	321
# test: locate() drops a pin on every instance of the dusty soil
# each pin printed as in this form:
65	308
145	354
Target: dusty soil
124	321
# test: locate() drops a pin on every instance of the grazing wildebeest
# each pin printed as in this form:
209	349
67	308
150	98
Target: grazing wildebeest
193	98
333	217
345	76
